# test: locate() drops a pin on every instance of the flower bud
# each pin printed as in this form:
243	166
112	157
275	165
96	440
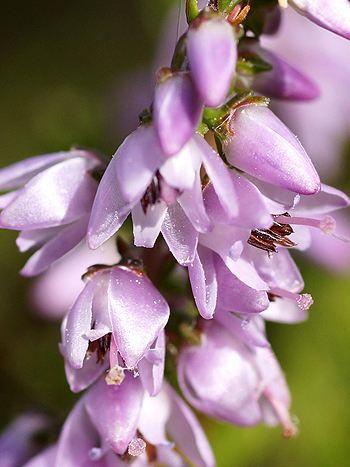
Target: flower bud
329	14
261	145
176	112
212	56
284	81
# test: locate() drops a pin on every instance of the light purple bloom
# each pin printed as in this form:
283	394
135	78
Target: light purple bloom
110	421
284	81
212	55
163	194
119	308
176	111
240	384
51	204
264	147
329	14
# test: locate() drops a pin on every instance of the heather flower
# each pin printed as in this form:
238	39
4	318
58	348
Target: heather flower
261	145
50	204
240	384
331	15
116	425
284	81
118	309
163	194
212	55
177	110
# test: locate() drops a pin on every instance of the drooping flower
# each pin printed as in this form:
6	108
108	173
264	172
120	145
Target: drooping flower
50	204
212	55
239	383
163	194
116	425
261	145
117	320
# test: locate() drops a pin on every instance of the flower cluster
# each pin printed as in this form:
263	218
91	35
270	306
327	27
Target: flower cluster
231	191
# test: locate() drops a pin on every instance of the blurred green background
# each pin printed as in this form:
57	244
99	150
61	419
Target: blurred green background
61	63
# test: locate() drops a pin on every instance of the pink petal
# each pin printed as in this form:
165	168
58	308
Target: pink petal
137	313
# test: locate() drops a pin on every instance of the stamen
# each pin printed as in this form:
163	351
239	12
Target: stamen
136	447
327	225
289	427
268	239
100	346
152	193
304	301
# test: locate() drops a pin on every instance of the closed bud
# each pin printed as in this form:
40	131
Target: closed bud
261	145
212	56
176	112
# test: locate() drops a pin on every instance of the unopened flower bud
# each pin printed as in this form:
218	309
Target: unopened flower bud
212	56
176	112
261	145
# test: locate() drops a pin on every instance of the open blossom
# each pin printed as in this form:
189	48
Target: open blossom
49	204
163	194
121	313
240	384
116	425
212	55
261	145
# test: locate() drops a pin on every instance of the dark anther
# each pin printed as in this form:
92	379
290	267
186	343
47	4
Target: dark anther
268	239
101	347
152	193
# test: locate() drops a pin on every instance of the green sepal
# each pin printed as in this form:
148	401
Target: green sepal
252	65
192	10
145	117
